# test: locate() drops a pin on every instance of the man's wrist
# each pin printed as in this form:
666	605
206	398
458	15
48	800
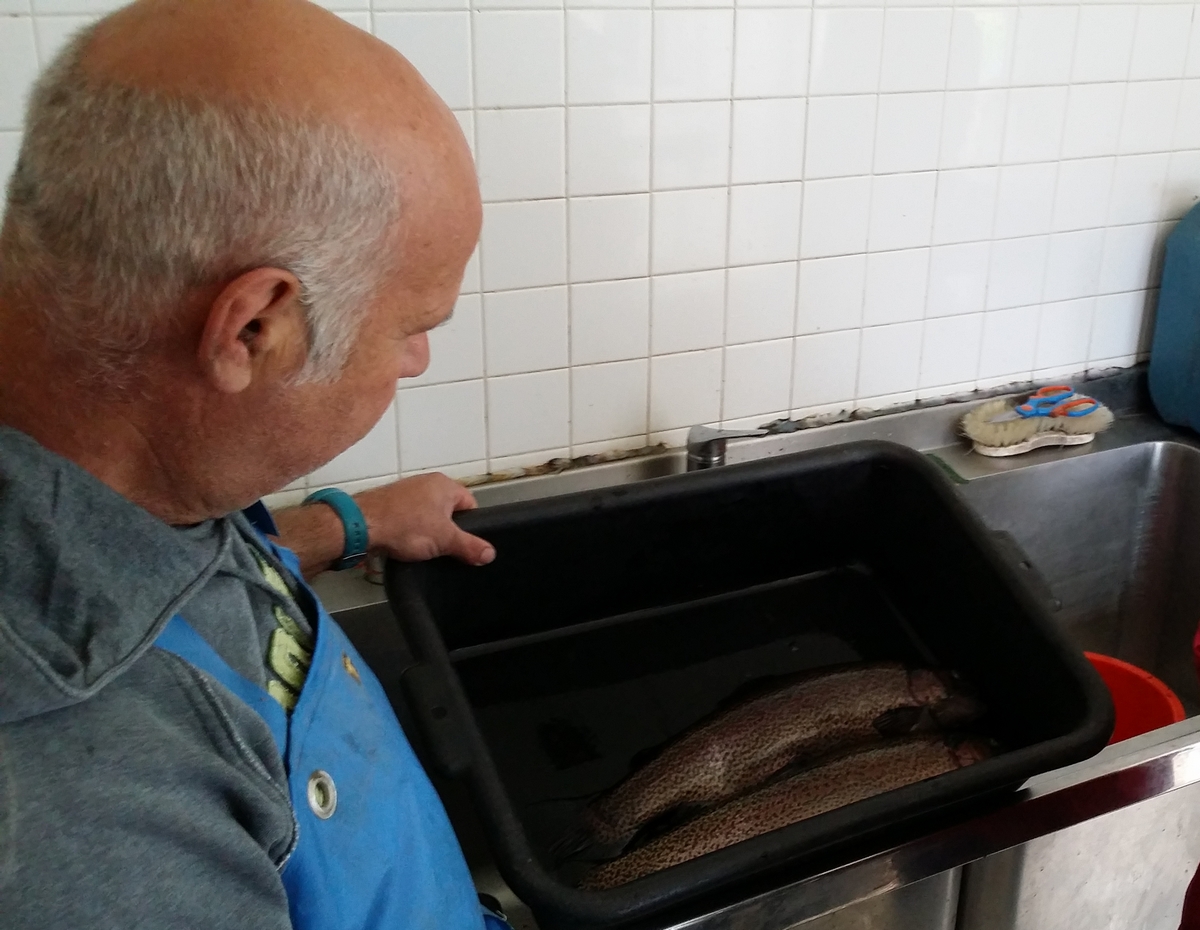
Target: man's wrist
367	501
355	536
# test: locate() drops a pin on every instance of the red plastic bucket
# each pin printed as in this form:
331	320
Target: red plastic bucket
1143	702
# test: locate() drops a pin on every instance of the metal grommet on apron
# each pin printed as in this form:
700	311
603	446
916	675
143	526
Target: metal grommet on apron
322	794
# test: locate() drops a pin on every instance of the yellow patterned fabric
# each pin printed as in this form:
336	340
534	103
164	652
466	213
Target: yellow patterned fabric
289	651
283	694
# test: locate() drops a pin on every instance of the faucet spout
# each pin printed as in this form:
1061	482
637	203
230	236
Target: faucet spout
706	446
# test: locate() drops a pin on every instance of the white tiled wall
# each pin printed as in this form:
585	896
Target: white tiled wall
719	211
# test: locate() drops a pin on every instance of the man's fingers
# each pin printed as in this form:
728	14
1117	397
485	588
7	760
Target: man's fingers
464	499
470	549
412	520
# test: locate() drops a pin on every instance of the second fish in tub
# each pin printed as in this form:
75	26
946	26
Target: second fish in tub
745	745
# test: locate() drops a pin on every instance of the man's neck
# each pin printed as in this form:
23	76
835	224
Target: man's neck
96	427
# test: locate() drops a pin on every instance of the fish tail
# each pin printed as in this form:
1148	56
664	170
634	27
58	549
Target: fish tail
571	844
898	721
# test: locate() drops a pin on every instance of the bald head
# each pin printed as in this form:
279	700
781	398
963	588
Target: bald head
250	117
244	197
299	59
290	54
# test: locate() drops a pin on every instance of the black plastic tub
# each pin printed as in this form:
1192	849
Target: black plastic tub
613	620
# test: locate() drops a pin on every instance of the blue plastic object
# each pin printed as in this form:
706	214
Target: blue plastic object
353	523
1083	409
1056	401
1042	403
1175	355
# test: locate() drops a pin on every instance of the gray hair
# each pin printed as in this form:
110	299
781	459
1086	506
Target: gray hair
125	200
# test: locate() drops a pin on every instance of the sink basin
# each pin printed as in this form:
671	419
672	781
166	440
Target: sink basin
1115	536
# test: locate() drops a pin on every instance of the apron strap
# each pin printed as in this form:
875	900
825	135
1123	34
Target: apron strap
179	638
260	518
263	523
493	921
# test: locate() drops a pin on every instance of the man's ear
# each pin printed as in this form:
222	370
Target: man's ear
255	327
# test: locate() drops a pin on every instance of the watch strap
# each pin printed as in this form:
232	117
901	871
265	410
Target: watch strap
354	525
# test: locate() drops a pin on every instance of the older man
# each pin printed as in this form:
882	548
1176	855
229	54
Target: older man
230	227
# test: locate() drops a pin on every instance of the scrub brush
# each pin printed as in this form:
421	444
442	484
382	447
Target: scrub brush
1051	416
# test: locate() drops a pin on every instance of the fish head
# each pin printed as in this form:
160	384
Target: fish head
950	702
928	687
970	751
956	710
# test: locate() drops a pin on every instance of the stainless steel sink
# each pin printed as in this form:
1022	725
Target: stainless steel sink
1111	535
1115	536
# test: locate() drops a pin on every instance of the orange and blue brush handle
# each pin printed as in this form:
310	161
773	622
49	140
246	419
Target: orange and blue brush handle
1057	400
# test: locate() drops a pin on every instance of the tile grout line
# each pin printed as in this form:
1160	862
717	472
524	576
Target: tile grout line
568	211
1057	180
999	166
870	205
933	213
1169	152
728	221
396	417
473	83
1041	313
800	231
651	209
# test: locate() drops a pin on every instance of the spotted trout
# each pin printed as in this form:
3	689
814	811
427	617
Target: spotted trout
858	774
750	742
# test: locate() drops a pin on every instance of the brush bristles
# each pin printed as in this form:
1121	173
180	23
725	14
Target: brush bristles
1099	419
977	424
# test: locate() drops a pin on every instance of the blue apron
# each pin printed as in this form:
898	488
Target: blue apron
375	849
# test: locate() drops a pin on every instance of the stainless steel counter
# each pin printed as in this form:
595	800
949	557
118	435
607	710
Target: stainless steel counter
1111	534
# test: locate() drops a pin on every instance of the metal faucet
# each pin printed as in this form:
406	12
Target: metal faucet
706	445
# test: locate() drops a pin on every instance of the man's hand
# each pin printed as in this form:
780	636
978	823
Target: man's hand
410	520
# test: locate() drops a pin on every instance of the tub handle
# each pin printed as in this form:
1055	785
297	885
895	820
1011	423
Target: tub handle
435	713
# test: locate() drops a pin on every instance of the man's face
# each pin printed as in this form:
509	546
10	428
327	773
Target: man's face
393	340
440	221
393	343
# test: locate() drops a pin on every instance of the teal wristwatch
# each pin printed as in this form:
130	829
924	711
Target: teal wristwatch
353	522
